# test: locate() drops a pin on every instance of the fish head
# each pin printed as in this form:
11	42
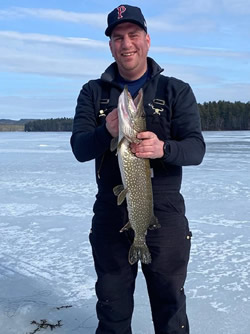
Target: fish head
130	114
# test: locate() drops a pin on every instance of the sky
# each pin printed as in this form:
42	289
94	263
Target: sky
50	48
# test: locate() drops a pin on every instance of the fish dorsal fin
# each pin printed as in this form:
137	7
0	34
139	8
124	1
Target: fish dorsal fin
126	227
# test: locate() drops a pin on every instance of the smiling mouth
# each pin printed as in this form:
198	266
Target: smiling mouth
128	54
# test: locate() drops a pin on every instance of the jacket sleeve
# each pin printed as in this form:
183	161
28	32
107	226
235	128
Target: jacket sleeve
187	146
89	140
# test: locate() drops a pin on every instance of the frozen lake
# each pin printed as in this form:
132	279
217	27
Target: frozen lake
46	269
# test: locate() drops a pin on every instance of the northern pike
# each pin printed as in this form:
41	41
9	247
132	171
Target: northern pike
136	176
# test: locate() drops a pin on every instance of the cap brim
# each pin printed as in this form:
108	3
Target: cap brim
111	27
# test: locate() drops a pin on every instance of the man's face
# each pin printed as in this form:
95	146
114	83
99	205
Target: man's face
129	45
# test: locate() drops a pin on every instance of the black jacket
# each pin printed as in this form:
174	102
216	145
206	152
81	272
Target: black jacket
176	121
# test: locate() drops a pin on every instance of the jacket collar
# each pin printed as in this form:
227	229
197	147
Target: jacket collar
111	72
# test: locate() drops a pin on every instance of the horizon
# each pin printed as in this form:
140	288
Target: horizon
71	117
49	49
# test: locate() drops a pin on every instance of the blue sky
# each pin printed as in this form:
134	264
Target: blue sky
50	48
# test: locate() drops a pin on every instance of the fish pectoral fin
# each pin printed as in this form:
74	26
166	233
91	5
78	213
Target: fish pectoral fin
114	144
119	144
154	223
125	227
120	192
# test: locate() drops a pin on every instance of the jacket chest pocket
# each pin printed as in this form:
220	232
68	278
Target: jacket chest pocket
158	118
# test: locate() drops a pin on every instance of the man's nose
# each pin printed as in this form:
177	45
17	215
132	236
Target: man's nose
126	42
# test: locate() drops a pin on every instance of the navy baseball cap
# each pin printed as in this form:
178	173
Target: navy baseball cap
125	13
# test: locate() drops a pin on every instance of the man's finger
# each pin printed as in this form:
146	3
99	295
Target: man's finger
146	135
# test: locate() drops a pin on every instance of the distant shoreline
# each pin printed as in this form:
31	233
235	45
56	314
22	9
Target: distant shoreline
215	116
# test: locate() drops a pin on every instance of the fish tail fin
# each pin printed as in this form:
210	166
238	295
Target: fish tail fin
139	252
154	223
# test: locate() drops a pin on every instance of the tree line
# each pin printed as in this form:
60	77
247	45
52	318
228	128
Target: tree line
223	115
52	124
215	116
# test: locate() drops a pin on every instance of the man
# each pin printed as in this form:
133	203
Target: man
173	139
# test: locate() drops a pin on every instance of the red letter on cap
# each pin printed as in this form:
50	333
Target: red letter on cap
121	10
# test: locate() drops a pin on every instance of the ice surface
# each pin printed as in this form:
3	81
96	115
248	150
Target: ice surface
46	200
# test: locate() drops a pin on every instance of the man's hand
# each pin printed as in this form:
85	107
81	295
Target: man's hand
150	146
112	123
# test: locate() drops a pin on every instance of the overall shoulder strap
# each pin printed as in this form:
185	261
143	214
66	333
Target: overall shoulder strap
161	87
160	95
102	112
104	101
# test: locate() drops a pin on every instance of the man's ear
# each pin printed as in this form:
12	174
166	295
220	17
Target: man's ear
110	46
148	40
